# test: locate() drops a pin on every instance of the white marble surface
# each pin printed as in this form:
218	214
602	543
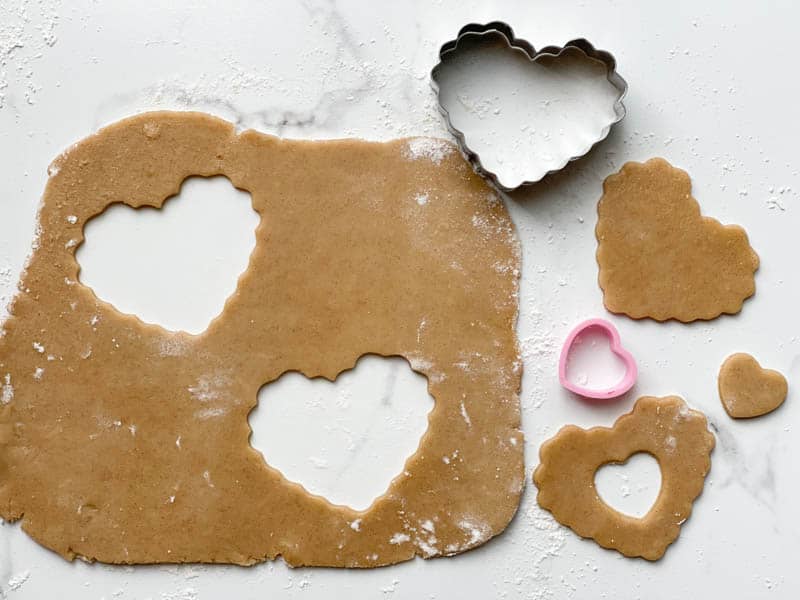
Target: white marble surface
710	90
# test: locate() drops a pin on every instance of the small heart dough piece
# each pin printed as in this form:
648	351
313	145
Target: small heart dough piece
747	390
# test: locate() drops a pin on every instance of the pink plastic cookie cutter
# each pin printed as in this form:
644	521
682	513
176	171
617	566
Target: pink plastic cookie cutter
620	387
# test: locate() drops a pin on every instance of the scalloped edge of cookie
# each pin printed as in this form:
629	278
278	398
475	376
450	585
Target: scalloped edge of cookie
732	308
548	446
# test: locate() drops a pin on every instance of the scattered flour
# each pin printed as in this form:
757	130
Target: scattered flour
184	594
478	531
208	387
7	394
209	413
207	477
390	589
18	580
465	415
23	42
422	199
399	538
172	346
432	149
356	525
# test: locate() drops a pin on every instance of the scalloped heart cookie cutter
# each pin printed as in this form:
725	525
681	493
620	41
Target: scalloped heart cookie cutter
615	344
501	34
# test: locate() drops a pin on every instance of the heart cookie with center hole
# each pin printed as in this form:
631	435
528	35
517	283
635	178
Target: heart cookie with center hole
580	369
747	390
677	437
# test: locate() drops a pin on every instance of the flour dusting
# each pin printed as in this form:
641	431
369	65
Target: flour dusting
465	415
431	149
7	394
478	531
209	413
172	346
208	387
23	42
18	580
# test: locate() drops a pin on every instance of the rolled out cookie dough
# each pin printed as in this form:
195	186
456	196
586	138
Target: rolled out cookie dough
130	444
659	257
747	390
677	437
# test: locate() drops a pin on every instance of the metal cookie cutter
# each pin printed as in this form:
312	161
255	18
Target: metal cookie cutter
622	386
502	34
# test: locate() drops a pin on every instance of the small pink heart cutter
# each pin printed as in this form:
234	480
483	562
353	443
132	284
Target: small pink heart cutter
631	371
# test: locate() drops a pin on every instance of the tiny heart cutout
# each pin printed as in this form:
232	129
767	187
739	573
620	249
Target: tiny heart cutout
747	390
631	486
584	370
173	266
344	440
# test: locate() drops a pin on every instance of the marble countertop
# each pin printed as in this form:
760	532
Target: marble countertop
709	90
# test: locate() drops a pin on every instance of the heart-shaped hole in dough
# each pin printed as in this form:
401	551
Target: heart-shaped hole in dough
174	266
344	440
630	487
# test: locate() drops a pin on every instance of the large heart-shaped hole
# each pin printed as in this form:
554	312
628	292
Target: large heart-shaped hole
344	440
173	266
630	487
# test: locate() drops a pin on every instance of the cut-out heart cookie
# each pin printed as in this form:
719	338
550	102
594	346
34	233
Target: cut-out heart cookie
677	437
659	257
624	384
747	390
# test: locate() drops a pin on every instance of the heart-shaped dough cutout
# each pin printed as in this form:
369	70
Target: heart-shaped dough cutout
747	390
677	437
582	385
659	257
